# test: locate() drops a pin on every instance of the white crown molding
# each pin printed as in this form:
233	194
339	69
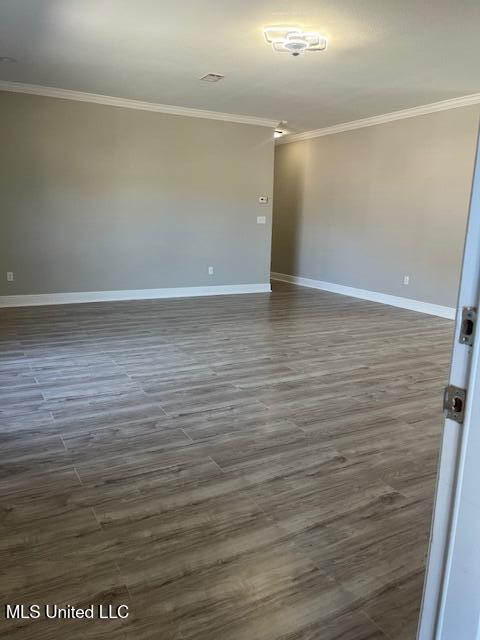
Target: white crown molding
134	294
372	296
443	105
96	98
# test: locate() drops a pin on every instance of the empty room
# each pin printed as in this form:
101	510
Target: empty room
239	281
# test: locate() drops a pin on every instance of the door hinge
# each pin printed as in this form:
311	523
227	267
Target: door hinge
454	403
467	328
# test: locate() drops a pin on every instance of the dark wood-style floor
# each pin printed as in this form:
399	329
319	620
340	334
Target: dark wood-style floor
255	467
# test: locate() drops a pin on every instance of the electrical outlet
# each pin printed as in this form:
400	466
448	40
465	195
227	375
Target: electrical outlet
406	279
10	276
261	220
210	271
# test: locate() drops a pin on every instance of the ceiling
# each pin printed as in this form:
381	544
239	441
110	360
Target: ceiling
383	55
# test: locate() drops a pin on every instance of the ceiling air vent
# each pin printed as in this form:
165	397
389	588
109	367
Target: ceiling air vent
212	77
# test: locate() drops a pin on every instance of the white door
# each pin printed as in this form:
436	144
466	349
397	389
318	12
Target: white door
451	601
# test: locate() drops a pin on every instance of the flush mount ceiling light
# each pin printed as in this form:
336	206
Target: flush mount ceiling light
212	77
293	40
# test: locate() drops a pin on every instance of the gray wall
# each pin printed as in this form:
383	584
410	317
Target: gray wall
96	198
364	208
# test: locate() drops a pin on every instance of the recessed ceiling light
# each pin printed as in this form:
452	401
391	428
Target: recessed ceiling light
293	40
212	77
6	59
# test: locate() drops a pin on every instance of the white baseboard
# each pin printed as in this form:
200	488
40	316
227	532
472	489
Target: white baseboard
373	296
134	294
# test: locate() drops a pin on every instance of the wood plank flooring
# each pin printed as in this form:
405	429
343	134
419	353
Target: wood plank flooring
255	467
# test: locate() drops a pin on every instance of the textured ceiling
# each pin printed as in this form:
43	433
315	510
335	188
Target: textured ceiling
383	55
